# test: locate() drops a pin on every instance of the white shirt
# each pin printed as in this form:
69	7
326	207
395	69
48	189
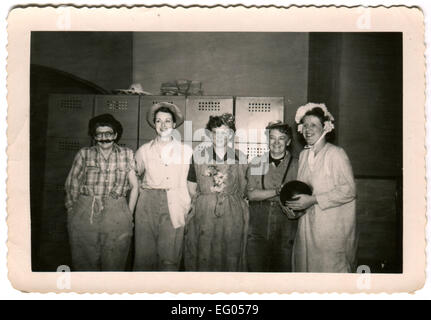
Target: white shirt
166	167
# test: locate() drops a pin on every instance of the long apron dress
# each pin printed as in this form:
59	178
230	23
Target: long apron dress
217	225
326	240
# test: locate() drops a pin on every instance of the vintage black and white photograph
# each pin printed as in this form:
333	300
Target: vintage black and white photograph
209	156
108	195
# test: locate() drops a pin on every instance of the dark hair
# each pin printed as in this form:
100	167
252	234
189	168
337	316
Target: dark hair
226	119
165	110
317	112
105	120
283	128
320	114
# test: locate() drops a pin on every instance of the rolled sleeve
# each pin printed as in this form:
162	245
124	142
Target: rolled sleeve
131	164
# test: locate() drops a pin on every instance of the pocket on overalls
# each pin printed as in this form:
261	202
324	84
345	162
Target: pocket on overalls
78	214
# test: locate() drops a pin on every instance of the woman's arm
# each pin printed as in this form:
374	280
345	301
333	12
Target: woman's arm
133	197
260	194
254	174
344	190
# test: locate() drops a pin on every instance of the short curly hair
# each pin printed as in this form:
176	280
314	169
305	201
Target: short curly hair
226	119
320	114
317	112
105	120
282	127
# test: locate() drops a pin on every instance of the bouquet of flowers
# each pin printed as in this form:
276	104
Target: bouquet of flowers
219	178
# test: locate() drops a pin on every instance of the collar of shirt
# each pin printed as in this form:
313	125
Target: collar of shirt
115	148
278	161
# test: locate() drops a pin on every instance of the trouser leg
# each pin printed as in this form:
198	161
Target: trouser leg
145	234
170	245
116	233
158	245
84	237
282	242
257	243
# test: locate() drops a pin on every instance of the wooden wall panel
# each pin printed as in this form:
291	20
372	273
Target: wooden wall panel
370	102
378	220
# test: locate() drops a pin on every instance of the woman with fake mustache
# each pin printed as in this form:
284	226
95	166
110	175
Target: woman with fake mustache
100	221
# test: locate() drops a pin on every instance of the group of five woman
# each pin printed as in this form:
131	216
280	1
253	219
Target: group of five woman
210	209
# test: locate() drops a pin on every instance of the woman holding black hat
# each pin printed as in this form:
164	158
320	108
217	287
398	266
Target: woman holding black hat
326	240
164	201
100	222
272	233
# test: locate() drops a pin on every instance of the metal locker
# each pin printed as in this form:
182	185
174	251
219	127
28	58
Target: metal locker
54	210
145	131
125	109
252	150
54	199
253	114
61	151
69	114
200	108
129	143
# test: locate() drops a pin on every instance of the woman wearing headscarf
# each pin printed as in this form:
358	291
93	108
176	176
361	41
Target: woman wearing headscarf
326	240
272	233
217	225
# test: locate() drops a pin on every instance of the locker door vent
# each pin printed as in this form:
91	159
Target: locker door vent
117	105
209	106
259	107
124	145
70	104
155	101
256	151
54	187
69	146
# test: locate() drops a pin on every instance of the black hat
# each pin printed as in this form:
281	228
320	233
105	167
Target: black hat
105	119
292	189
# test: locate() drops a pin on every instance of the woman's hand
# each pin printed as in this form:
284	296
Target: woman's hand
288	212
302	202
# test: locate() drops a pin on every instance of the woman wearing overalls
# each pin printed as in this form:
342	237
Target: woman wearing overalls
100	221
217	225
272	233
